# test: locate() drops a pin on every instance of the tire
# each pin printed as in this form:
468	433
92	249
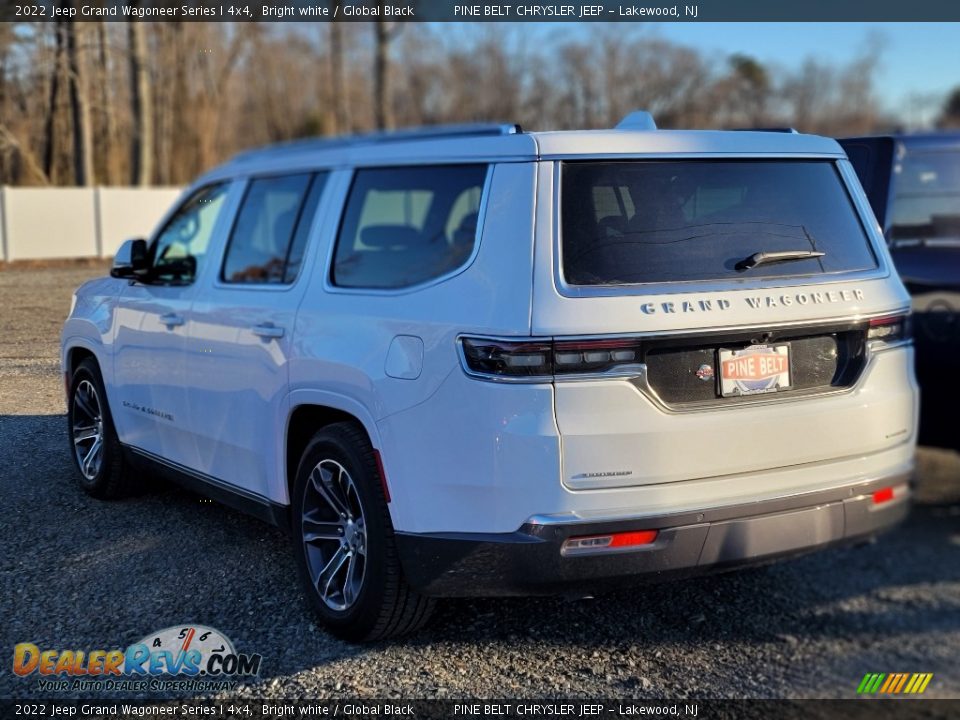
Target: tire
102	471
349	566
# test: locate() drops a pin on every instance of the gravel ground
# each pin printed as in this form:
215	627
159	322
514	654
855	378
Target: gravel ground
78	573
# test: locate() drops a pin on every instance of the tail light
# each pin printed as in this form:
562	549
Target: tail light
595	356
526	360
890	329
508	360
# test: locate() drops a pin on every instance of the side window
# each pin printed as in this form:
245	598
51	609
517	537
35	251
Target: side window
270	232
181	246
404	226
300	235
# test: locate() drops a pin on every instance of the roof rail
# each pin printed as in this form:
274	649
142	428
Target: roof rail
768	129
426	132
637	120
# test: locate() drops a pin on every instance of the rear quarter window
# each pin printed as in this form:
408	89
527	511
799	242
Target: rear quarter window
408	225
631	222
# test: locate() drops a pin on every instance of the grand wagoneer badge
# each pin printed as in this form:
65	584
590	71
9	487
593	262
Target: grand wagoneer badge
755	302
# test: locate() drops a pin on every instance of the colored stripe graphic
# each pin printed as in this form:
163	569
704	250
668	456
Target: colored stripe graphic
894	683
899	687
891	681
918	683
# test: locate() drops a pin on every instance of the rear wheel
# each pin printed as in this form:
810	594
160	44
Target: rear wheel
344	541
94	445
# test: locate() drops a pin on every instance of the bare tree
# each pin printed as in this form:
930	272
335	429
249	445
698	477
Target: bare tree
17	163
79	111
50	127
339	99
106	120
168	100
748	88
384	33
141	107
950	115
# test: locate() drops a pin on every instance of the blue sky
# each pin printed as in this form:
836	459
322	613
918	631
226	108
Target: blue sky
918	58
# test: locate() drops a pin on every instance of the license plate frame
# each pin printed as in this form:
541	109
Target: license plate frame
754	370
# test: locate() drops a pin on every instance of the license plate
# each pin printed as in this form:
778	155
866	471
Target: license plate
754	370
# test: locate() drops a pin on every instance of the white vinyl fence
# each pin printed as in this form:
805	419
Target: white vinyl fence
37	223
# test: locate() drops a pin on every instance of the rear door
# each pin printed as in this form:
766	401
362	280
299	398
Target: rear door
708	315
240	332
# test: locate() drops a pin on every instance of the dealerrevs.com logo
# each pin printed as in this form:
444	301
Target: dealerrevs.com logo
186	657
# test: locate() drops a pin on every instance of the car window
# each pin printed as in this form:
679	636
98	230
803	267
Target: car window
270	232
628	222
926	199
299	243
403	226
180	248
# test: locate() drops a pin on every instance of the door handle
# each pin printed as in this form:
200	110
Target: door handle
268	330
172	320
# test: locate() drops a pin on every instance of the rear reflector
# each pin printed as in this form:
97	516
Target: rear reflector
885	495
383	476
614	541
628	539
882	496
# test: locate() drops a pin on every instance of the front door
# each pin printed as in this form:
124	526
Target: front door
150	406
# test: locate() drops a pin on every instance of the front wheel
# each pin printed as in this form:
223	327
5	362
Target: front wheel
344	541
94	445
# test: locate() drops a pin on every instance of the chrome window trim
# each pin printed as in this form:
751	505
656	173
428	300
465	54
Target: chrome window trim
330	287
864	214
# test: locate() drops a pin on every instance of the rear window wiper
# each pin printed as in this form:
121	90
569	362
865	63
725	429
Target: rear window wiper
767	258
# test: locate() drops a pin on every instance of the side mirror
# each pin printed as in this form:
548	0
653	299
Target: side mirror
131	260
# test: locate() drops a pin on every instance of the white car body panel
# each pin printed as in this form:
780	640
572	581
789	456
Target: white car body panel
610	426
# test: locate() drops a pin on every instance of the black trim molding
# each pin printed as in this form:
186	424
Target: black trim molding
245	501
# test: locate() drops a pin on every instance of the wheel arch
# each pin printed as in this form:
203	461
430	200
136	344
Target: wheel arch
76	355
77	349
307	415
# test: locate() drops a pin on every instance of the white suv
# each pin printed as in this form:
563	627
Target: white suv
479	361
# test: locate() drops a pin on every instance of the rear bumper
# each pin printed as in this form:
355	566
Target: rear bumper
529	561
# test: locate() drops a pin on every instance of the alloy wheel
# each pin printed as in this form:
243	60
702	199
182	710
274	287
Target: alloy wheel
334	534
87	429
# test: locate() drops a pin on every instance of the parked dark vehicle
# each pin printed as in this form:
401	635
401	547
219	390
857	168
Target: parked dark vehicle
913	183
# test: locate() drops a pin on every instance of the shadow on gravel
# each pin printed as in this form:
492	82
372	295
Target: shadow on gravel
168	556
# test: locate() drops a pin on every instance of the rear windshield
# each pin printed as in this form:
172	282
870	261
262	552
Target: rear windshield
629	222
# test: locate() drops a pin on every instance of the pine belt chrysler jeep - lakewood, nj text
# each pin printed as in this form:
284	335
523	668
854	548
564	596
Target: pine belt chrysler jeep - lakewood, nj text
478	361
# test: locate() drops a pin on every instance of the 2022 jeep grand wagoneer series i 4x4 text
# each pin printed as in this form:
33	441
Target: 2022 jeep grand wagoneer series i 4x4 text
475	360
